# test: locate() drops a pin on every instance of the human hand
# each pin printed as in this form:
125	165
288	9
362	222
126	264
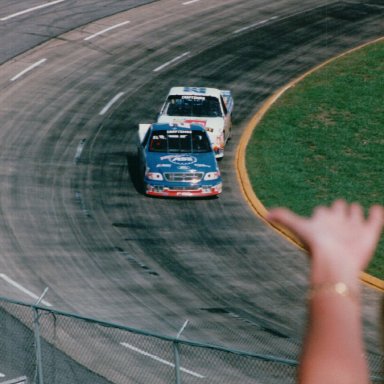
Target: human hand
339	235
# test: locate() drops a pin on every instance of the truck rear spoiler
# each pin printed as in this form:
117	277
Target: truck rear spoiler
228	100
143	129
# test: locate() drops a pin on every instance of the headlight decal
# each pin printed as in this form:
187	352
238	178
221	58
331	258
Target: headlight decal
212	175
154	176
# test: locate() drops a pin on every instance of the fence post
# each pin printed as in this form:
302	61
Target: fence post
177	361
176	353
36	317
39	365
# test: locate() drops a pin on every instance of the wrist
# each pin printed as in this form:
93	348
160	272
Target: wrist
326	270
336	289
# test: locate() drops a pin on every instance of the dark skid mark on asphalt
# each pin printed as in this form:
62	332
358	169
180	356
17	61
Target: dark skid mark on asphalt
351	12
81	203
261	323
136	262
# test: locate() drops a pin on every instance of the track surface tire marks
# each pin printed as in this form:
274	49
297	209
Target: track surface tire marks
83	227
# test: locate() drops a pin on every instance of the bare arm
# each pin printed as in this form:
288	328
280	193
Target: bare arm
341	242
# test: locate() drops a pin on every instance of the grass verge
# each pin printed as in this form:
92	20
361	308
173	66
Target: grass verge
324	139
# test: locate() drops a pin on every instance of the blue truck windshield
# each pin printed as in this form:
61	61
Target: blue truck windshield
179	141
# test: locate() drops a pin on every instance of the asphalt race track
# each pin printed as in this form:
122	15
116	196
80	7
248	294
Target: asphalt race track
72	217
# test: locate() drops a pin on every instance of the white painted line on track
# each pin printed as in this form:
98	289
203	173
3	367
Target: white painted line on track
159	359
170	62
28	69
19	380
255	25
79	150
277	17
23	289
31	10
190	2
106	30
111	102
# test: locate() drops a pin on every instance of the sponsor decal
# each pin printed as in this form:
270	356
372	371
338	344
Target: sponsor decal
188	97
175	131
200	122
180	159
195	89
163	165
187	123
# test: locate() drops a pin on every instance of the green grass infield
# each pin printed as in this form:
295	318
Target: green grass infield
324	139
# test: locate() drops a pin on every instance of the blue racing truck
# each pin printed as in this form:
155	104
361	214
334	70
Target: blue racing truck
177	160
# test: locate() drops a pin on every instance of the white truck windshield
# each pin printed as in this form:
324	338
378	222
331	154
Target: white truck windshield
196	106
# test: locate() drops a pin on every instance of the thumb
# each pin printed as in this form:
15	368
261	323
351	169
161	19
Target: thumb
295	223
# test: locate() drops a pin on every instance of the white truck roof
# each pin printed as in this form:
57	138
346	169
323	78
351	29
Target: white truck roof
197	91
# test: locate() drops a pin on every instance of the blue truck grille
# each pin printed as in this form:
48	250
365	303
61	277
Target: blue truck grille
183	177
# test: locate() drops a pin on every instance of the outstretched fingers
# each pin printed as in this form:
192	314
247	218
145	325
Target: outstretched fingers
375	219
339	230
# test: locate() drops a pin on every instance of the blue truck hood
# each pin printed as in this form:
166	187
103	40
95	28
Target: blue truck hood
181	162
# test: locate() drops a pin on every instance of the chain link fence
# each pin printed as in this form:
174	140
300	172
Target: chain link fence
40	345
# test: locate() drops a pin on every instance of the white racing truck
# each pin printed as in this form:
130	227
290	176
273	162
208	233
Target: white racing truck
210	107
